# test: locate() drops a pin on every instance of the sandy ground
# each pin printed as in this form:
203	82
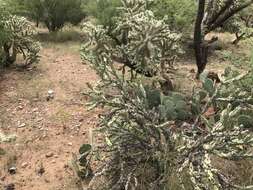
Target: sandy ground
47	132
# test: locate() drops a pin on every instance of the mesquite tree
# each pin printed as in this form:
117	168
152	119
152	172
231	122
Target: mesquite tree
179	14
212	14
241	25
103	10
54	13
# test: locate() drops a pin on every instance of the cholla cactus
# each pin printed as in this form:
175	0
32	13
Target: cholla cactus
149	136
229	136
20	40
3	32
141	42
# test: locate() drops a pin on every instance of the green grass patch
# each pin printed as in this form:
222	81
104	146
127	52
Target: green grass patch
60	36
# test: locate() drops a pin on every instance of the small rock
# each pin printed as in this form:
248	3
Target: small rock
24	165
50	95
12	170
78	125
35	109
70	144
20	108
50	154
39	119
58	133
10	186
22	125
50	92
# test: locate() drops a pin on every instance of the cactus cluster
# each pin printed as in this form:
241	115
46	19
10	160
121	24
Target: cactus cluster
228	132
140	41
166	134
19	41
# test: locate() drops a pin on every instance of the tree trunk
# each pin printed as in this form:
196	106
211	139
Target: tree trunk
51	26
201	49
37	22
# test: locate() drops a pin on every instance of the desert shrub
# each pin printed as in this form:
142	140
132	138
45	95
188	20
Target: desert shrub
236	60
65	35
179	15
152	136
104	11
55	13
241	25
16	7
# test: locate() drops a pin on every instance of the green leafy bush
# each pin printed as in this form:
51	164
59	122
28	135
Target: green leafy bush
55	13
104	11
241	25
179	15
239	61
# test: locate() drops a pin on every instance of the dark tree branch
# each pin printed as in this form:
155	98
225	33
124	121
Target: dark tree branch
227	11
132	66
221	20
228	3
198	38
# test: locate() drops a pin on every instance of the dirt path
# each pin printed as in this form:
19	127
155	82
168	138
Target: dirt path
47	132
